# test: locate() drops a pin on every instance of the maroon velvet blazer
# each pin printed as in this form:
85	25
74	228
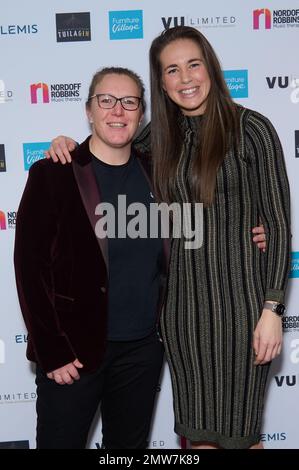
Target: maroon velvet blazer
61	266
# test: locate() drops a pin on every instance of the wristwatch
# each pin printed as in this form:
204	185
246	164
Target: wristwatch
277	308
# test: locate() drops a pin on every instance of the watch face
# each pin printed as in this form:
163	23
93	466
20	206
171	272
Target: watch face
279	309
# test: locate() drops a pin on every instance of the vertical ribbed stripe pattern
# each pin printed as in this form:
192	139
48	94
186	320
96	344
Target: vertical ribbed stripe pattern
215	293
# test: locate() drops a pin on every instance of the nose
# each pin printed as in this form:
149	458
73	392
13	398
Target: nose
186	76
118	110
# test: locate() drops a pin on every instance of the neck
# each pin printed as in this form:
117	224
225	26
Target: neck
110	155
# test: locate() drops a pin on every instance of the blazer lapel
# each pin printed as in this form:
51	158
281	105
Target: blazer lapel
87	184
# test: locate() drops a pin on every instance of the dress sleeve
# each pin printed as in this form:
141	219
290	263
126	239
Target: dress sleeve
273	198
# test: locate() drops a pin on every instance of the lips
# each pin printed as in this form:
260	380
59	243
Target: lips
116	125
188	91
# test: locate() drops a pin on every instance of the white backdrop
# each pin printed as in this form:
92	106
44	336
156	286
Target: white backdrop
260	61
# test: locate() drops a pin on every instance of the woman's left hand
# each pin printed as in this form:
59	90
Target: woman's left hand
260	237
267	337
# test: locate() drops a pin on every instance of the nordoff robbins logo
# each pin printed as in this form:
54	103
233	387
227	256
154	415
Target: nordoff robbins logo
126	24
162	221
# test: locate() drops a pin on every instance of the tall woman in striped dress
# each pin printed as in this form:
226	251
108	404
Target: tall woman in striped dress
221	322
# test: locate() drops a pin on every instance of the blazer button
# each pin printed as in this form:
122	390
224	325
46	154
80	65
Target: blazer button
103	289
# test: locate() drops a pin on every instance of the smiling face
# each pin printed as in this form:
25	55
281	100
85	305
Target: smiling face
116	127
184	76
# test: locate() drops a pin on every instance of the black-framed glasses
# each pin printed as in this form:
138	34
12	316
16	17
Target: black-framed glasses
130	103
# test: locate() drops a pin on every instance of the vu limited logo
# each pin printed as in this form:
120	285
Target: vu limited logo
280	82
173	21
286	380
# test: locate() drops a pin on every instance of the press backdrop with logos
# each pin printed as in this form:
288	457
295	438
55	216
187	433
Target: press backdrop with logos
49	52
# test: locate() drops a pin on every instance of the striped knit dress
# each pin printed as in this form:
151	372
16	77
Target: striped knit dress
215	294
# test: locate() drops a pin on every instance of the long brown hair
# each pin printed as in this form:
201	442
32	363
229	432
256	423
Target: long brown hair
219	126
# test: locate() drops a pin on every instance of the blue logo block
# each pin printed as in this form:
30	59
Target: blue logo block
126	24
33	152
237	83
294	265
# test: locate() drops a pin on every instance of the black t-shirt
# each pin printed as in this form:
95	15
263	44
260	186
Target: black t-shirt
134	263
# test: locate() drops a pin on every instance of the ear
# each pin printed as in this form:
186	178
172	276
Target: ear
141	119
89	115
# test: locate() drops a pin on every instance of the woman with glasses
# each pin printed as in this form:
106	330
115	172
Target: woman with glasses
91	303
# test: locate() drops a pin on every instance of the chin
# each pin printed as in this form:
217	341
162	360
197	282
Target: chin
119	145
194	108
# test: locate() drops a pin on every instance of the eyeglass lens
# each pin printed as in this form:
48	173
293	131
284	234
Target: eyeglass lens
128	102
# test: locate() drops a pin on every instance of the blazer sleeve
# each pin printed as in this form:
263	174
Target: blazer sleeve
36	231
273	198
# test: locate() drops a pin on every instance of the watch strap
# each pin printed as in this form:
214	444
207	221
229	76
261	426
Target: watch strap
273	307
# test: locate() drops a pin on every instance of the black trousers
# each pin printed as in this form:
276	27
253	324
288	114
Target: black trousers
125	387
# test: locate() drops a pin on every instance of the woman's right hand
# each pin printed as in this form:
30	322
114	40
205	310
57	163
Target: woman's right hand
60	149
66	374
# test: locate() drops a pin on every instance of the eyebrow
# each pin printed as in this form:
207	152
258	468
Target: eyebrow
188	62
